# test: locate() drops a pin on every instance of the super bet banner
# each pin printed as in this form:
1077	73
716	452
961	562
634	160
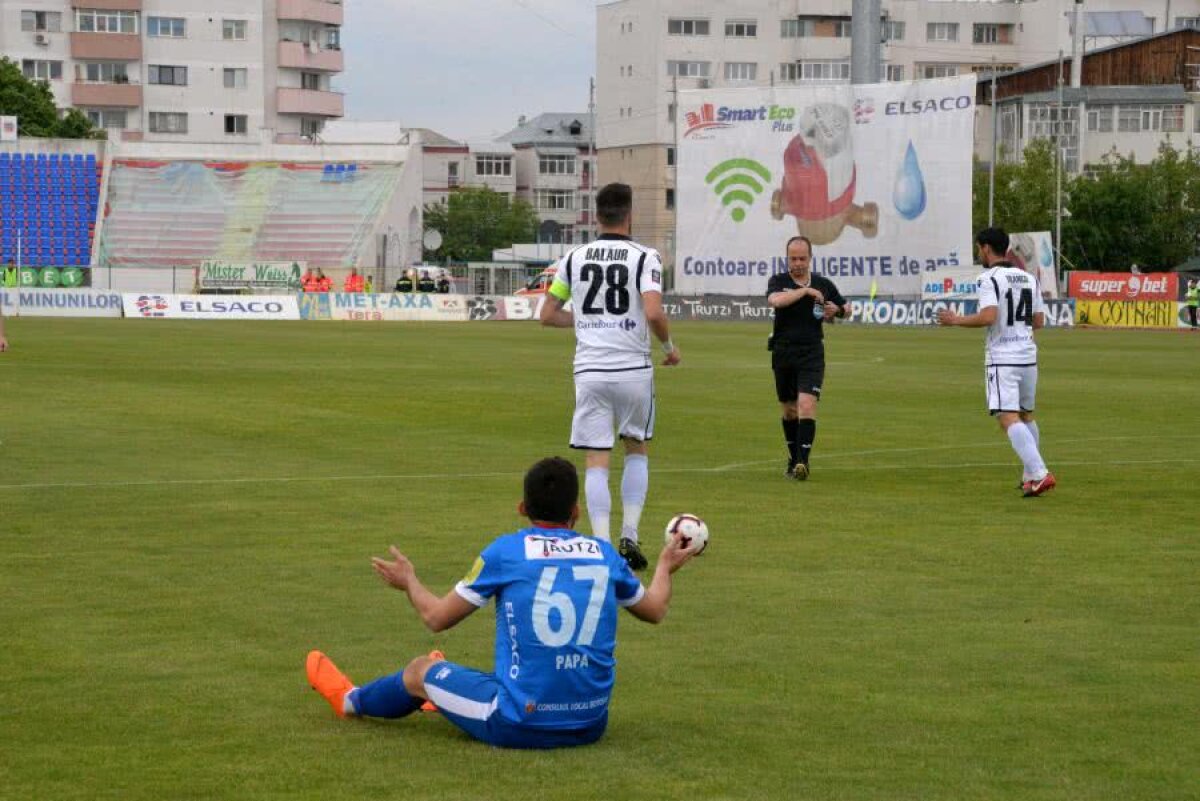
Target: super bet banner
878	176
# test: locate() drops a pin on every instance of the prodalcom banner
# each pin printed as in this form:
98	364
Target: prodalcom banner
1127	313
878	176
1123	286
210	307
1059	313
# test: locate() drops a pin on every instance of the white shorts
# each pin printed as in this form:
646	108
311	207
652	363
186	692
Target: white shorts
602	406
1011	389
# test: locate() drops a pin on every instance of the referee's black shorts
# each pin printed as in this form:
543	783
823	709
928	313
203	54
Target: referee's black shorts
798	372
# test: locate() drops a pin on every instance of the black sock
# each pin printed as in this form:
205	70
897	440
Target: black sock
806	432
789	435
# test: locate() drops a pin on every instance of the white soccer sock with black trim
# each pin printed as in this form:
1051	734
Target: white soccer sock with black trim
599	501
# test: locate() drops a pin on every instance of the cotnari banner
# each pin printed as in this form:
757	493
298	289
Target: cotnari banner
1127	314
878	176
261	276
1124	286
211	307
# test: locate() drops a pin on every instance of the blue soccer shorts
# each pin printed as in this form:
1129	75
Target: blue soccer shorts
470	699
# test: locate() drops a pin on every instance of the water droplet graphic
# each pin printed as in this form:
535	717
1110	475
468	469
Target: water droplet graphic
1044	252
909	193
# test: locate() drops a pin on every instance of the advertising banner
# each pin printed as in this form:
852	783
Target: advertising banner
60	303
398	306
8	129
878	176
276	277
1033	252
1128	313
211	307
482	308
52	277
1123	286
951	284
1059	313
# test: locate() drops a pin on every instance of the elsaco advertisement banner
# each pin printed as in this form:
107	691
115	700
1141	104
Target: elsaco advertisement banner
210	307
1123	286
1127	313
60	303
878	176
261	276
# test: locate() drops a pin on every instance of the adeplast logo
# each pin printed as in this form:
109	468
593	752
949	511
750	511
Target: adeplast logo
152	305
703	120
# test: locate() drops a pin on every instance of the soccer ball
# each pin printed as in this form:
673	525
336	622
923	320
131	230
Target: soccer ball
695	533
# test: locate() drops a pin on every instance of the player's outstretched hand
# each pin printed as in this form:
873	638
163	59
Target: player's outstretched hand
946	317
673	358
398	572
674	554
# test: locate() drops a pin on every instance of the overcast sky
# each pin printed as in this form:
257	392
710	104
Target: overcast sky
466	68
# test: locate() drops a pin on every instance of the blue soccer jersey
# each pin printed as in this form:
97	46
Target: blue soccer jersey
557	594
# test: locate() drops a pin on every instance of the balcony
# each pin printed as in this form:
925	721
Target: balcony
109	5
116	95
302	56
311	11
309	102
106	46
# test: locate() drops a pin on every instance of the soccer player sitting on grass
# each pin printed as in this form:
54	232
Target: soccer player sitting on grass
557	594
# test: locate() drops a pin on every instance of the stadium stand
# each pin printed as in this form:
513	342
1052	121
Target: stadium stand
48	207
177	212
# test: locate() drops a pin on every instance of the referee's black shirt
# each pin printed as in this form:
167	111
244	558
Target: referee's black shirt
795	327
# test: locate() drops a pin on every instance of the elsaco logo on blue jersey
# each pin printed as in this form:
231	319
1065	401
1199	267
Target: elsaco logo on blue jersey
537	547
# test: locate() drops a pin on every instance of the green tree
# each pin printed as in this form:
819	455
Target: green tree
476	221
1024	198
32	103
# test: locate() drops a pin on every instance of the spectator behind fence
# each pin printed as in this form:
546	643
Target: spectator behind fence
353	282
443	283
309	281
369	286
405	282
11	278
324	282
1193	300
426	283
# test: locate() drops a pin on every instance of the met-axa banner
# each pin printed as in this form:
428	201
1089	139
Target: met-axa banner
878	176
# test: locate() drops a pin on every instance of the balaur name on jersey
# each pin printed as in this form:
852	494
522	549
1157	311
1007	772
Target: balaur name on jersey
1015	295
605	280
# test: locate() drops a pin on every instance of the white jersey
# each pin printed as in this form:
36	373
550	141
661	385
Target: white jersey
605	280
1015	295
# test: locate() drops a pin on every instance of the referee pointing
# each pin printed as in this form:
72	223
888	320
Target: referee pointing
802	302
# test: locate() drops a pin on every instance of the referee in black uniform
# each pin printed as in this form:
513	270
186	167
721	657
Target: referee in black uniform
802	302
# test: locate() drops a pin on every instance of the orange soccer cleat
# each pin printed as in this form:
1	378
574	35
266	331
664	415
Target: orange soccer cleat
330	682
437	656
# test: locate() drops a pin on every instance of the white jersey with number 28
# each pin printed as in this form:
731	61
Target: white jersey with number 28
1015	295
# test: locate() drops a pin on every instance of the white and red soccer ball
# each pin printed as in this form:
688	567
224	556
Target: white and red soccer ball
691	529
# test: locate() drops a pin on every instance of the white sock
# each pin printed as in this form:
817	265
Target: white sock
635	481
1037	440
599	501
1025	446
348	707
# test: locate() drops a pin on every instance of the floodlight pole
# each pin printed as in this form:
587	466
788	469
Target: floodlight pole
864	41
995	150
1058	166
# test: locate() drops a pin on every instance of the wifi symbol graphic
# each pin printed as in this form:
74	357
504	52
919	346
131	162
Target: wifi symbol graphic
739	186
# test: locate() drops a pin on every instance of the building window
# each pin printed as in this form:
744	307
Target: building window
311	126
333	37
104	72
233	30
166	27
741	71
556	165
1100	119
172	122
106	118
91	20
1044	121
895	72
44	21
1187	22
670	198
235	124
235	77
41	70
687	27
939	70
741	29
987	33
670	112
985	70
555	200
893	31
688	69
493	165
795	28
822	71
310	81
941	31
1172	119
841	28
670	157
167	76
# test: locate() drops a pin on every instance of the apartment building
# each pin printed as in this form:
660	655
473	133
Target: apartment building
649	49
554	169
256	71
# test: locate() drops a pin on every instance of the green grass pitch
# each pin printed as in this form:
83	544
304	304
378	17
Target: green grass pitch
187	508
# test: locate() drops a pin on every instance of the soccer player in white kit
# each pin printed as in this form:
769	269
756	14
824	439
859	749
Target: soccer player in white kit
615	286
1011	308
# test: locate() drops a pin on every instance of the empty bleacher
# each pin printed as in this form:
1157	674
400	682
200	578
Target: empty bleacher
48	207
